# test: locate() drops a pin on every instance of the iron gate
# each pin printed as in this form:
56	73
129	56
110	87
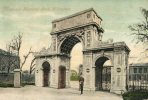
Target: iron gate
103	78
106	78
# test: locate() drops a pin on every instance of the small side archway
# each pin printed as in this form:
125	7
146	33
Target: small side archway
46	73
62	77
103	74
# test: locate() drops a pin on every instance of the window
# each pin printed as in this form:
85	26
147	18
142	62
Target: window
138	77
140	70
130	77
134	77
145	78
145	70
135	70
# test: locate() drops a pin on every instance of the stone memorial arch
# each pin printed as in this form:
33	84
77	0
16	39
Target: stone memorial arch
84	27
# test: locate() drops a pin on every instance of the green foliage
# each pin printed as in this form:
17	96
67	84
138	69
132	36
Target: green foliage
135	95
6	85
23	84
73	73
74	76
27	78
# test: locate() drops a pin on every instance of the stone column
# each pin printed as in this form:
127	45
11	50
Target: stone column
93	78
120	69
17	78
67	78
87	70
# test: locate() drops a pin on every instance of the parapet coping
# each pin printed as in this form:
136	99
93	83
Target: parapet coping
76	14
78	26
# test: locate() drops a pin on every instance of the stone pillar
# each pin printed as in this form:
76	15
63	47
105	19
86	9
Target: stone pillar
93	78
67	78
120	70
87	70
55	73
17	78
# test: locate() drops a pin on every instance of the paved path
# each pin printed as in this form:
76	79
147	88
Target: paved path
42	93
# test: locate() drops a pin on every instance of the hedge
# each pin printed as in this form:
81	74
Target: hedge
74	78
6	85
135	95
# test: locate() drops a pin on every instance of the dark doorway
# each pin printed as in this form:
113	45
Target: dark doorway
46	71
102	75
62	77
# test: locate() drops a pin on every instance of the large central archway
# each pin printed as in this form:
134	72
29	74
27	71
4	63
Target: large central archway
67	44
66	47
102	74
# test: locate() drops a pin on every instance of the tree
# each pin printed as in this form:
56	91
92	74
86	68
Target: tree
32	65
27	78
140	30
74	75
14	46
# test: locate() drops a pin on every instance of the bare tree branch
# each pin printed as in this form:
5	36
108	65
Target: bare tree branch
15	46
25	58
32	65
140	30
32	68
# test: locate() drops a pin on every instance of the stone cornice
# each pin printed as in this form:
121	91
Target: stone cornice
77	14
79	26
122	44
51	55
109	46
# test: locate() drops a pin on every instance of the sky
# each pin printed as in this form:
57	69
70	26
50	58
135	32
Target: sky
33	18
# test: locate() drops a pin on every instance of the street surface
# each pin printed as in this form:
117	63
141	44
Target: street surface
45	93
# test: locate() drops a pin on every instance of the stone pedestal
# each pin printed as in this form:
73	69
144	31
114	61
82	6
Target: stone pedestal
17	78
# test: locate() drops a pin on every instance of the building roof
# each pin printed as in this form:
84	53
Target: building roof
76	14
3	52
139	65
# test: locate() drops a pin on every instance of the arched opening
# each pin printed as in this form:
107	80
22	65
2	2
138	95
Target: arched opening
73	47
46	73
103	74
76	64
68	44
62	77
